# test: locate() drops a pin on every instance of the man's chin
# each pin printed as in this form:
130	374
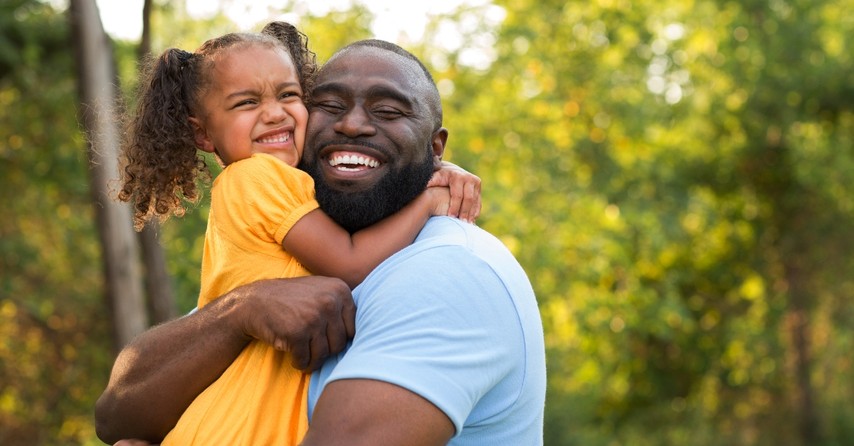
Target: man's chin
351	182
352	210
356	204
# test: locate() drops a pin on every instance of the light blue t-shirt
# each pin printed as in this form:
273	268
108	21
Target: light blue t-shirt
454	319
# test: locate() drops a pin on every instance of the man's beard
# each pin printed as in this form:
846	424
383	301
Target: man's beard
357	210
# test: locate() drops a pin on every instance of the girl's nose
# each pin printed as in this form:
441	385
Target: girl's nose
273	113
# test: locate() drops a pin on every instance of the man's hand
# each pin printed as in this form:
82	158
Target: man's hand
311	317
465	190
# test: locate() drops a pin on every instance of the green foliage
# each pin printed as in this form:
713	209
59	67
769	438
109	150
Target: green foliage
328	33
53	332
673	176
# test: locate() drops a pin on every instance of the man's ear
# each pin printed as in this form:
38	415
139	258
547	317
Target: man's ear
200	135
440	139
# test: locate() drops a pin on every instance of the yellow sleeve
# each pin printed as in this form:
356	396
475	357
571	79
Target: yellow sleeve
260	198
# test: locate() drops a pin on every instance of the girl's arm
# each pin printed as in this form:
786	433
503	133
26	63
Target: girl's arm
327	249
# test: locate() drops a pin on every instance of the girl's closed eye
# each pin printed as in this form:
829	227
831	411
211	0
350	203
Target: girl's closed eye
290	95
245	103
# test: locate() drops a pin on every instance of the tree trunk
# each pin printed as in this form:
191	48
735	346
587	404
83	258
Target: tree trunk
158	284
97	90
799	312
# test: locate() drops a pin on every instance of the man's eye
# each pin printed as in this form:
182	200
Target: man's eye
388	113
329	106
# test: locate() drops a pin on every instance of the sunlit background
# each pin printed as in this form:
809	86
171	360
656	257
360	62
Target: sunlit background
396	21
674	176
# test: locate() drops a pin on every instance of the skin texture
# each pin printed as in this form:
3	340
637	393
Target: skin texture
371	103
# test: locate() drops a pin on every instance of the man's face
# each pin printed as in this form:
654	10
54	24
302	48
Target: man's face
370	145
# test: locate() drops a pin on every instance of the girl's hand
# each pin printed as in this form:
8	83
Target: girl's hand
465	190
440	198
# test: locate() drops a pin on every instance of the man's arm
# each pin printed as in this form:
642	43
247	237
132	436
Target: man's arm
357	412
431	345
158	375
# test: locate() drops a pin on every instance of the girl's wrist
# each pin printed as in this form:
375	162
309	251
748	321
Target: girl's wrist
439	200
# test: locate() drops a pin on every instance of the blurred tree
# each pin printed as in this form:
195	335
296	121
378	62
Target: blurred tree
158	282
98	99
54	334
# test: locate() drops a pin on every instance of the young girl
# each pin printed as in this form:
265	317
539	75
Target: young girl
241	96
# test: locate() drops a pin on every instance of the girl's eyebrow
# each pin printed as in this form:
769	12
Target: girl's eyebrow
251	92
288	84
240	93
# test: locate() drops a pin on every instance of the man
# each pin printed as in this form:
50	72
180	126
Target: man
449	343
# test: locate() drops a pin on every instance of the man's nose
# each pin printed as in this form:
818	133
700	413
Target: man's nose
354	122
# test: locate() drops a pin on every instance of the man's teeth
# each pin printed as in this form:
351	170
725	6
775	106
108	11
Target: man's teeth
353	160
283	137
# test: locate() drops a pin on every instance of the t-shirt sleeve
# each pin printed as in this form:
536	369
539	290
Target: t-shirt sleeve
261	198
440	324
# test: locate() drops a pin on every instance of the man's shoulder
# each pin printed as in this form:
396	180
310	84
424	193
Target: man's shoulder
445	232
444	236
450	251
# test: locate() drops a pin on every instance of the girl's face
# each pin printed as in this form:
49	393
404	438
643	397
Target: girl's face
253	105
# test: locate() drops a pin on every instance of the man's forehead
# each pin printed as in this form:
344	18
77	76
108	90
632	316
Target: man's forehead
366	60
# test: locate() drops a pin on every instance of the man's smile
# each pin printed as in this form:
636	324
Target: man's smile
352	161
344	161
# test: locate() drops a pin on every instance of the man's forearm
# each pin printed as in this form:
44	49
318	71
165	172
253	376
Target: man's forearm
157	376
163	370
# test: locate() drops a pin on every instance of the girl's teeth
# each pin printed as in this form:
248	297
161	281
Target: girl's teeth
275	139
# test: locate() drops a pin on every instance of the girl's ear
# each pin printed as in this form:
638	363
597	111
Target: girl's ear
203	142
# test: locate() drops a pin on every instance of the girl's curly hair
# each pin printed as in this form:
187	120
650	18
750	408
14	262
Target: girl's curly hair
161	165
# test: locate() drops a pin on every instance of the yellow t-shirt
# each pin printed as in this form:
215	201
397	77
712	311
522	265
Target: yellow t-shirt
260	398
